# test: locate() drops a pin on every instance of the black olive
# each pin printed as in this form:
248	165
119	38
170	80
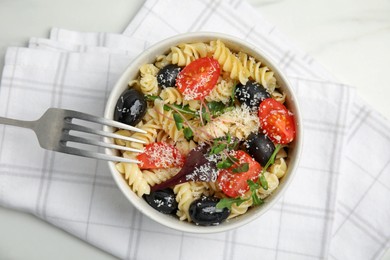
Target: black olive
204	212
163	201
130	107
260	147
166	77
252	93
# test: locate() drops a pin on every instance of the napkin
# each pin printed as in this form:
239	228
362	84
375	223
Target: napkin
336	207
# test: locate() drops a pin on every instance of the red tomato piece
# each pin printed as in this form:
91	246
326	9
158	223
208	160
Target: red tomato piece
160	155
235	184
198	78
276	121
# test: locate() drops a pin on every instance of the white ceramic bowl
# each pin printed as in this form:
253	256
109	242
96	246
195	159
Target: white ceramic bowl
235	44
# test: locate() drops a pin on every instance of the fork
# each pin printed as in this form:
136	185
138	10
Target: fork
53	133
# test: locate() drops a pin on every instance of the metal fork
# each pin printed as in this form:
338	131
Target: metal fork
52	131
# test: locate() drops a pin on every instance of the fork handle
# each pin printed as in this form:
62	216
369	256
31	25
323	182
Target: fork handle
16	122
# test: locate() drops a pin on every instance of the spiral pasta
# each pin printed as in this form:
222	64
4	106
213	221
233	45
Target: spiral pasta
171	95
229	62
273	183
222	91
237	210
184	199
157	176
150	127
279	168
184	54
134	177
258	72
166	121
186	193
239	123
148	81
185	146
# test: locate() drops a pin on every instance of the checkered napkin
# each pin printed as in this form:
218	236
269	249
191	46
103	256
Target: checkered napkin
337	206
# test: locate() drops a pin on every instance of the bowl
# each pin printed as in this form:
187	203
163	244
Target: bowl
235	44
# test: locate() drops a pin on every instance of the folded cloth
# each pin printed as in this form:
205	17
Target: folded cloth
328	211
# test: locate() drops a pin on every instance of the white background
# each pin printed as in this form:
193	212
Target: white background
350	38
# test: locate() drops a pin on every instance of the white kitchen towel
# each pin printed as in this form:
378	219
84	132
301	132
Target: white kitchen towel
298	227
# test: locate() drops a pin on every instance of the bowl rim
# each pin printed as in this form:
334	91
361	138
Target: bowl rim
159	48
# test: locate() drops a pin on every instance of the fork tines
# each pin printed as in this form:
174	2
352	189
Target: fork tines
69	126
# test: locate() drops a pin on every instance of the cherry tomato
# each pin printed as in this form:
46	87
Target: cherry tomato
235	184
276	121
160	155
198	78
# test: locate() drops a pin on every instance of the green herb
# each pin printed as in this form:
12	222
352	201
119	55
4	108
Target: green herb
253	188
244	167
227	163
188	134
271	160
263	182
227	109
217	148
228	138
182	109
206	115
233	95
178	121
228	202
234	145
215	107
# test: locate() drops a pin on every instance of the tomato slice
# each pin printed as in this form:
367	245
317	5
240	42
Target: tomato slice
198	78
276	121
235	184
160	155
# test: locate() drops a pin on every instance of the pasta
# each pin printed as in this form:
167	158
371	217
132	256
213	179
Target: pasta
238	122
148	81
166	121
151	133
157	176
134	176
184	124
258	71
229	62
222	91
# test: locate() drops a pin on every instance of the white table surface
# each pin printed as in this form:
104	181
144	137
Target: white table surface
350	38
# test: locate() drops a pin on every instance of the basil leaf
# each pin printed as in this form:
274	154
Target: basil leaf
242	168
228	202
178	121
